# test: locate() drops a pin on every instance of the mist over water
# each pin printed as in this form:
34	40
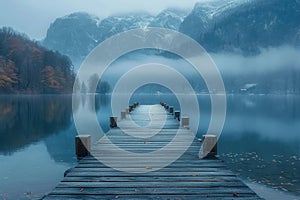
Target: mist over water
269	60
274	71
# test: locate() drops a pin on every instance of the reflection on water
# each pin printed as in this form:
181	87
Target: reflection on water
260	140
28	119
36	144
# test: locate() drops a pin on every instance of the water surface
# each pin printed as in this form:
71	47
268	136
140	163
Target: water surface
260	140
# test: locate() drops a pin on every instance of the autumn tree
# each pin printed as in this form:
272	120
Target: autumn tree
26	67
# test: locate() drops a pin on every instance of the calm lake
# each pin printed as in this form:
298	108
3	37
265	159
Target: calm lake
260	140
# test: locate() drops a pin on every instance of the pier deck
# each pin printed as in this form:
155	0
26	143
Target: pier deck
187	178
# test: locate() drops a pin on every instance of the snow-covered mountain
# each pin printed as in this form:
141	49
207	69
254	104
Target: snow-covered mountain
116	24
244	26
169	18
75	35
204	14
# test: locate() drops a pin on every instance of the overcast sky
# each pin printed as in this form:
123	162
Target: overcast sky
33	17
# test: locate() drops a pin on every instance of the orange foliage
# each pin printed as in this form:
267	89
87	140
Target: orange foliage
8	75
26	67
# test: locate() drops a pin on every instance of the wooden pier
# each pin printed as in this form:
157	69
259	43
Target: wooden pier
187	178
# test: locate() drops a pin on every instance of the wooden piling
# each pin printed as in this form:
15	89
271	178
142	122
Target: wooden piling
185	121
177	115
130	109
113	122
83	145
123	114
209	146
171	110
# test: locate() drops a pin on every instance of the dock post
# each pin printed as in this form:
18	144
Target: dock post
177	115
130	108
123	114
171	110
209	146
113	122
185	121
82	145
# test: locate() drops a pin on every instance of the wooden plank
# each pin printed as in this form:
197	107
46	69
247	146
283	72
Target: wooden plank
154	184
152	178
156	162
173	169
155	173
177	161
151	197
151	191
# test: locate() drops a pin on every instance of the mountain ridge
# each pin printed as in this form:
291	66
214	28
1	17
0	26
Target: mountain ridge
244	27
77	41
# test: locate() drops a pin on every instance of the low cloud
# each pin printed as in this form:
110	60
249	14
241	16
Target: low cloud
269	60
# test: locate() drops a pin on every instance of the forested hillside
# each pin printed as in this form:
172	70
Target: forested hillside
26	67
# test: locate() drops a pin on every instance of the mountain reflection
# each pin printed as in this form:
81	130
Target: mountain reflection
28	119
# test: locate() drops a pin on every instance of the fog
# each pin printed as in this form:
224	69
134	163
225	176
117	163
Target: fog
275	70
269	60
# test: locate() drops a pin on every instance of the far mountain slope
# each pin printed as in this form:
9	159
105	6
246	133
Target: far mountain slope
77	34
246	27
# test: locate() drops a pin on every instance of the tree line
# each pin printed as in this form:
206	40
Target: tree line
26	67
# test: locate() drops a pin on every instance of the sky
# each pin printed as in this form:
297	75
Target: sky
33	17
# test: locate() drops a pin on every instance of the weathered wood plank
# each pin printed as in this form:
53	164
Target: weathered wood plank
106	169
152	191
151	197
155	184
155	173
152	178
177	161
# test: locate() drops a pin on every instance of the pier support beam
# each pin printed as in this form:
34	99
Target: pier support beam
82	145
209	146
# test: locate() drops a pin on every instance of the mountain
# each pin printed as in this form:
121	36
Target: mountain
205	14
244	26
169	18
75	35
26	67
